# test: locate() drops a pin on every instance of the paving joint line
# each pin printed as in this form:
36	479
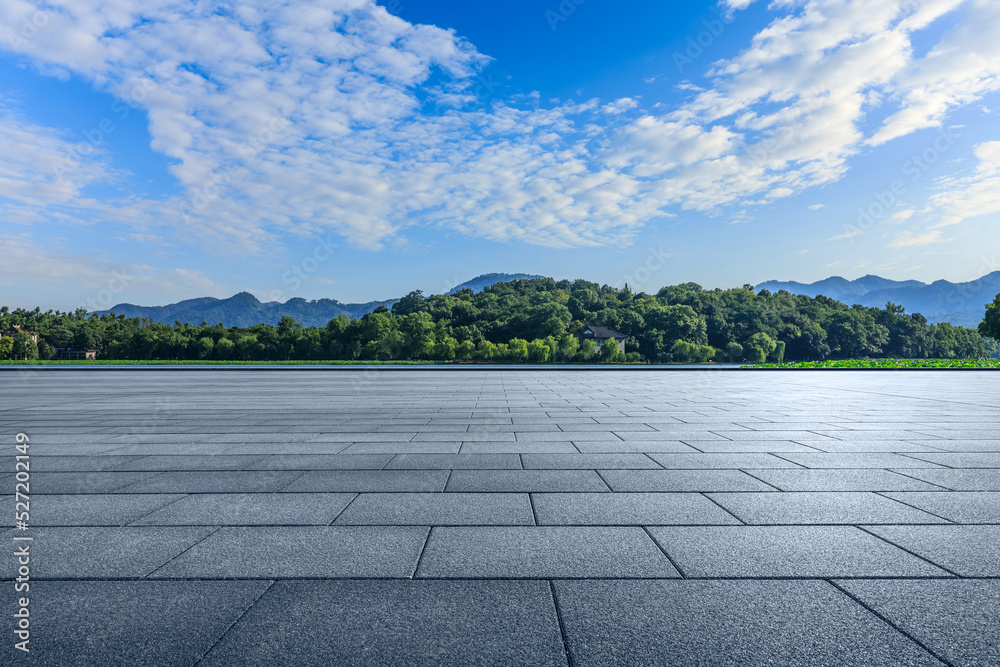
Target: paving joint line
559	623
861	527
234	623
887	621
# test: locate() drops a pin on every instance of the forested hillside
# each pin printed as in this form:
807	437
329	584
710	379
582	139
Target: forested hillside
537	320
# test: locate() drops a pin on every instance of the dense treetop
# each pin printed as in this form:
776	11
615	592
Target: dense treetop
535	320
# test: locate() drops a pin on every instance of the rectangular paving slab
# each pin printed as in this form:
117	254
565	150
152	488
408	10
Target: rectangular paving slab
439	509
969	551
841	479
682	480
164	623
542	552
102	552
726	624
250	509
628	509
523	481
959	620
787	551
358	481
957	506
820	508
412	623
290	552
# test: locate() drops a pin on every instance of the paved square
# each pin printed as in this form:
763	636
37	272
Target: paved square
508	517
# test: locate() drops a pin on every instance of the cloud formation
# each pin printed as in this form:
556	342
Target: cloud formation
305	118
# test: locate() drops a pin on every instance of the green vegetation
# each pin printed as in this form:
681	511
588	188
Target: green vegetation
532	321
990	326
889	363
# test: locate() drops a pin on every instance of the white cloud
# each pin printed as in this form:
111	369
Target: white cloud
304	118
816	207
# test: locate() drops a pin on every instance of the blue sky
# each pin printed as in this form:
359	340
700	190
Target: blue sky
162	150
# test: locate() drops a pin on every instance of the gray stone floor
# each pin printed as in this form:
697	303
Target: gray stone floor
476	517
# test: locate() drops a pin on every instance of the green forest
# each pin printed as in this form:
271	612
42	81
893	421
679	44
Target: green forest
533	321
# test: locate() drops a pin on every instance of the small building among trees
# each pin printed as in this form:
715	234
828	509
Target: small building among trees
74	354
601	334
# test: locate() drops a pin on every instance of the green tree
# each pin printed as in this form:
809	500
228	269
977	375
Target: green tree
734	352
587	351
990	326
6	347
538	351
24	347
517	349
225	348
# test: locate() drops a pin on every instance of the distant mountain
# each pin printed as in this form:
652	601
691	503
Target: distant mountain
941	301
480	283
245	310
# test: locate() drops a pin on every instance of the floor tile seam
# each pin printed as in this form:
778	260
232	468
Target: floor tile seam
235	622
916	457
663	550
193	545
341	512
603	481
745	472
420	557
862	528
899	471
885	619
559	623
920	509
132	522
723	508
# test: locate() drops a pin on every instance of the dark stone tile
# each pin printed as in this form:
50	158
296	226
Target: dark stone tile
787	551
682	480
960	480
587	461
455	462
819	508
542	552
726	624
969	551
160	463
524	481
628	509
221	481
963	460
163	623
250	509
744	460
359	481
322	462
957	506
85	482
856	460
841	479
300	552
102	553
116	509
412	623
439	509
958	620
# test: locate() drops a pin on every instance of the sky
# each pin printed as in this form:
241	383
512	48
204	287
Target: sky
155	150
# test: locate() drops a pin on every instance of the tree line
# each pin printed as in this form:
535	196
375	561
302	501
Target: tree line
534	321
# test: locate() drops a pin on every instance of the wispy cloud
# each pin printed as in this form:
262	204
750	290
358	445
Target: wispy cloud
306	118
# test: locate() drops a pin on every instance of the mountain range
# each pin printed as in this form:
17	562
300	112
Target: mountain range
245	310
941	301
961	304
